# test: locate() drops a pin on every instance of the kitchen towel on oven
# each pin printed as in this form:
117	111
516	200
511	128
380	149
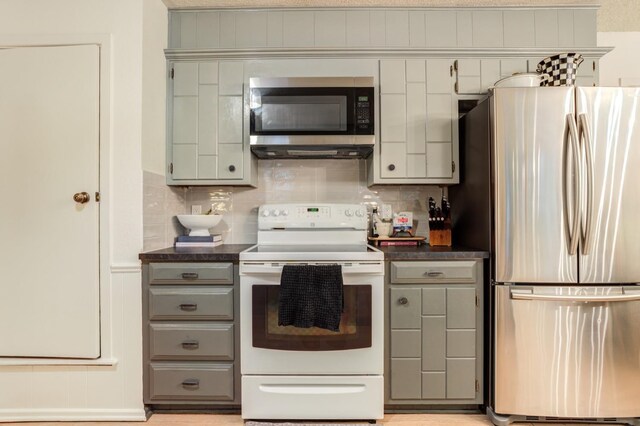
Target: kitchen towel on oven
311	296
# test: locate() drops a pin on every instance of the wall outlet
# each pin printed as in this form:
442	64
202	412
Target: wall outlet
196	209
386	212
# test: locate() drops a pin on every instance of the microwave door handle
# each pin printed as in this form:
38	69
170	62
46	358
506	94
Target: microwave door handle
573	218
587	226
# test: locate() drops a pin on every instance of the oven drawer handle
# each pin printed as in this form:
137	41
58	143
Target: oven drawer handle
560	298
190	275
189	307
190	344
191	384
434	274
299	389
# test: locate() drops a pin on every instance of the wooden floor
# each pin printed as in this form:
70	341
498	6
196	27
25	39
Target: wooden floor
228	419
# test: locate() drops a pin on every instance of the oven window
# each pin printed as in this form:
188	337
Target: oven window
355	325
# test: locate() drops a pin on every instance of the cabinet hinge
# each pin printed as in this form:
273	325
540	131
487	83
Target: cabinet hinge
594	65
97	197
477	386
451	70
455	65
453	167
455	87
476	300
172	73
171	168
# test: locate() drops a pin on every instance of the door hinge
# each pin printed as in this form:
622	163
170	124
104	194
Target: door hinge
97	197
172	73
171	168
477	386
453	167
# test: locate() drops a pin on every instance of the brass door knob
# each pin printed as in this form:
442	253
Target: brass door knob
81	197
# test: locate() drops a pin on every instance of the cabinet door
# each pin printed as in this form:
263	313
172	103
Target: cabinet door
206	116
418	138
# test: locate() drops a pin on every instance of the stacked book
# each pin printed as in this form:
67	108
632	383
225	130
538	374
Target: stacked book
206	241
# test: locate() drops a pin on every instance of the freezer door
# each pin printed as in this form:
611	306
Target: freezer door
534	184
567	351
609	128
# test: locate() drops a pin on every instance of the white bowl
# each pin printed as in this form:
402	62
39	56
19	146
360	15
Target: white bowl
199	224
525	79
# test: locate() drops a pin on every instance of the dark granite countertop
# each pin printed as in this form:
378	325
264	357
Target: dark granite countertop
231	253
223	253
426	252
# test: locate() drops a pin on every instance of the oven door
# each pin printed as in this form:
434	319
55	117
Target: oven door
267	348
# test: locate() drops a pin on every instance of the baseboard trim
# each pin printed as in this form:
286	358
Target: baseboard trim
61	415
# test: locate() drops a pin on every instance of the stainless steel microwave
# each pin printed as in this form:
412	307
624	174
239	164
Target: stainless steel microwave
312	117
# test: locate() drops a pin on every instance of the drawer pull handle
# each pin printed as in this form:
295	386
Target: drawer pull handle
189	307
403	301
434	274
191	384
190	344
190	275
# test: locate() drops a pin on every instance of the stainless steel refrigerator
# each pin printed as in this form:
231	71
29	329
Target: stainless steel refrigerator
551	186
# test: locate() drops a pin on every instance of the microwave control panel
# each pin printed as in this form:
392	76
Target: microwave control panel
364	110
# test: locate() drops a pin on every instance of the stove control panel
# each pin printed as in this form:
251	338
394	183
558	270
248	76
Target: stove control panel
312	216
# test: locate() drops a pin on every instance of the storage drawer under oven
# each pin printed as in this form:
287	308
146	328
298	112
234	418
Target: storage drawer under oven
189	381
203	341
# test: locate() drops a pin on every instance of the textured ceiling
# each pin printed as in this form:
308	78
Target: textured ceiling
186	4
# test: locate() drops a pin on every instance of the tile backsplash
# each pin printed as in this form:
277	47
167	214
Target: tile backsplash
279	181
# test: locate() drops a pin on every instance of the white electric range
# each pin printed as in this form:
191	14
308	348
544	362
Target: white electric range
311	373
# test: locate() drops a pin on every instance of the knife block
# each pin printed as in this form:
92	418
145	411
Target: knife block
440	237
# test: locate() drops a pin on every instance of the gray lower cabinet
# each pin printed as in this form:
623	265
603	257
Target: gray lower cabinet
191	334
434	333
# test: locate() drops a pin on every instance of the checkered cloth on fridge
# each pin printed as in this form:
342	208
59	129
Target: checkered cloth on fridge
559	70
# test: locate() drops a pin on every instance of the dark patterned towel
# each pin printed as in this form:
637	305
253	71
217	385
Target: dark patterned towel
311	296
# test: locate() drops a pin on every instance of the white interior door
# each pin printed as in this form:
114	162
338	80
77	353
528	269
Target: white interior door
49	245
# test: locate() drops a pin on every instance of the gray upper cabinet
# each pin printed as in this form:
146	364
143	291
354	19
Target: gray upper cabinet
384	28
205	121
418	131
213	53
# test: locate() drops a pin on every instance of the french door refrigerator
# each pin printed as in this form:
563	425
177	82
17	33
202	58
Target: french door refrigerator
551	178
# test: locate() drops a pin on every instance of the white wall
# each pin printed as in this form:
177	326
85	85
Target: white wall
154	86
95	392
622	64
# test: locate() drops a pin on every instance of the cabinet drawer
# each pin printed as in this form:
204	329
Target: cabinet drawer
191	303
203	341
433	272
191	273
185	381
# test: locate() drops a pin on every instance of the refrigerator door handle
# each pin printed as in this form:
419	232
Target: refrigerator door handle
587	225
573	224
527	295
